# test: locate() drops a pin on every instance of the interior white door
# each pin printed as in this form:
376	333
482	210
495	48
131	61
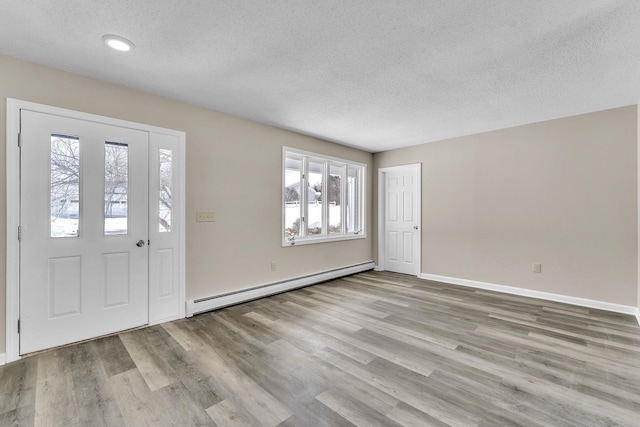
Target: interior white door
84	230
402	220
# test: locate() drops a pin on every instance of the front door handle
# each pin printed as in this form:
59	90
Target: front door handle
140	243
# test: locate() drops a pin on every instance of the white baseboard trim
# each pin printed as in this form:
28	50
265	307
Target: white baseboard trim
3	358
202	305
583	302
377	268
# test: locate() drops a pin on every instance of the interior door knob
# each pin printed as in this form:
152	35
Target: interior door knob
415	227
140	243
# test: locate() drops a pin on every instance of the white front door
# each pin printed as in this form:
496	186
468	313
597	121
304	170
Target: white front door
84	230
400	216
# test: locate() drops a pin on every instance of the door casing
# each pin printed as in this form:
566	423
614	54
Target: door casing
13	209
381	213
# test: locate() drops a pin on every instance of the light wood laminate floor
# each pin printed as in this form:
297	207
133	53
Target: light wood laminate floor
373	349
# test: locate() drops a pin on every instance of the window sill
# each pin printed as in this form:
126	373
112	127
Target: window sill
323	239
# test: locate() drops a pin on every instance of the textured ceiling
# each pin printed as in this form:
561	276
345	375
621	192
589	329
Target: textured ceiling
373	74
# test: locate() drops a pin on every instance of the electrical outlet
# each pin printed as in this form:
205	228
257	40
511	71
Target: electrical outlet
205	217
273	266
537	268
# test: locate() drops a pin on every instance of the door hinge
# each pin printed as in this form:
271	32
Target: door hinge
302	220
20	140
19	233
18	325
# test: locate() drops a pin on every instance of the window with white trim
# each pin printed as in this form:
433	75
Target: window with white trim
322	199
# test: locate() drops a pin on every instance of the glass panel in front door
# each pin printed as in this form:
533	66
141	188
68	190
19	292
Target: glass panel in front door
116	188
165	190
64	193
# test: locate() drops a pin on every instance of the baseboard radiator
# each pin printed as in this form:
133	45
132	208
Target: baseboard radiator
214	302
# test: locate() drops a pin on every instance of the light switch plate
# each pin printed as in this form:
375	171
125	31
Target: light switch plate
205	217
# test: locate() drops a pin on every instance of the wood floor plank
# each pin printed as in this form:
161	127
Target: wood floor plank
183	404
155	371
255	399
567	332
305	336
20	417
283	375
201	384
282	349
219	323
247	327
96	403
354	410
257	317
345	306
181	336
318	415
376	348
409	416
333	319
392	382
570	378
56	403
228	413
402	355
18	386
115	357
136	402
513	407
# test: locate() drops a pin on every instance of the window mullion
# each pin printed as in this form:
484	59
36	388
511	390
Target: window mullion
304	192
360	200
323	213
343	200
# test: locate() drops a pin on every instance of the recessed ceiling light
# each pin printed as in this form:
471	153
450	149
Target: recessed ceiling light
117	42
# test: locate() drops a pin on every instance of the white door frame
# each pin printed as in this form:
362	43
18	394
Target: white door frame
381	216
13	208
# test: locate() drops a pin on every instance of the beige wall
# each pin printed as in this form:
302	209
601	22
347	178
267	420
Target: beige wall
233	169
562	193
